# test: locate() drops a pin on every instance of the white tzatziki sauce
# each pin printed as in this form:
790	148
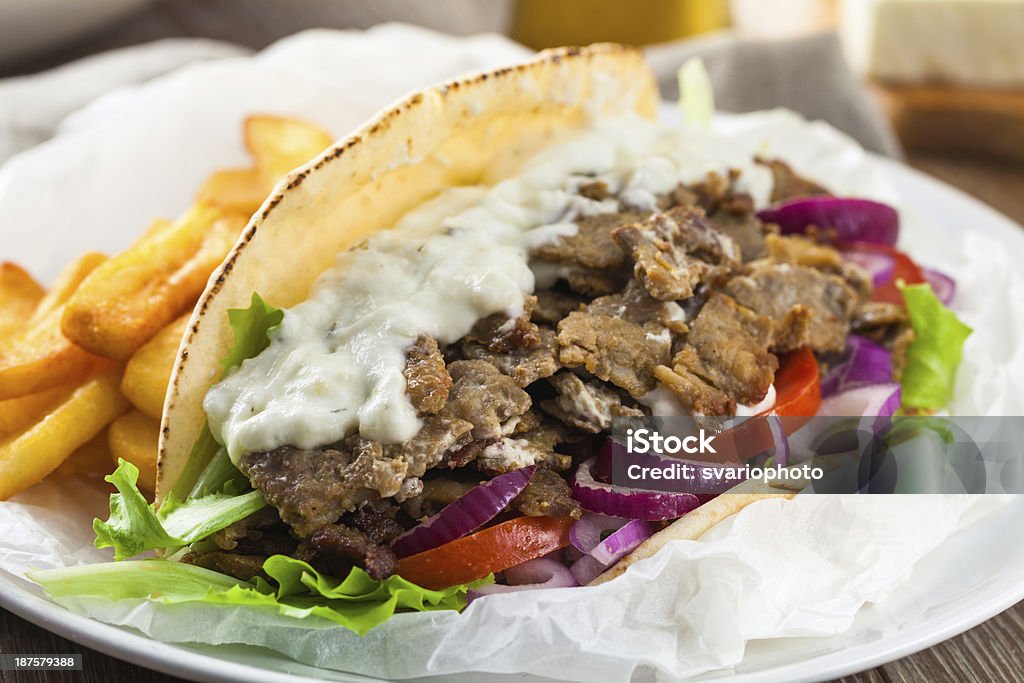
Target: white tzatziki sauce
334	367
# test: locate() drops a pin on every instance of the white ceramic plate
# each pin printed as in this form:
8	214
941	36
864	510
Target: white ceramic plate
975	575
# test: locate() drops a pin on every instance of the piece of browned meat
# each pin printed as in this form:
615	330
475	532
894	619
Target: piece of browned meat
374	520
261	533
336	548
439	435
547	495
242	567
586	405
500	333
436	495
485	397
802	251
592	246
673	252
773	289
426	379
312	488
614	349
637	306
596	190
787	183
522	450
553	305
725	360
524	366
728	209
586	282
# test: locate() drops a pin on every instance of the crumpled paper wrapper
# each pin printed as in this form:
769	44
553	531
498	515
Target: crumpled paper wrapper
778	569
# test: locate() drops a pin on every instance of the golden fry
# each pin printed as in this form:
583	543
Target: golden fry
155	228
39	357
19	296
280	144
31	454
149	371
18	413
237	189
132	296
92	460
67	283
134	437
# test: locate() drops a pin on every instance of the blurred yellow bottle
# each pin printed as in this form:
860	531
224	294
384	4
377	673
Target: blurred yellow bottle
550	23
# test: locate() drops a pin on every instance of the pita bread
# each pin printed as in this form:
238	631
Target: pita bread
470	131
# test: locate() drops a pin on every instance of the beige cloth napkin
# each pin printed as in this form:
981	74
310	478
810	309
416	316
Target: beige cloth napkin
808	75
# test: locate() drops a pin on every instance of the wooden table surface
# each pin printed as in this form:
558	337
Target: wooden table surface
989	653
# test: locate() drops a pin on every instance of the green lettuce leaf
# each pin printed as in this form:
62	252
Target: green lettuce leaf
252	328
935	354
214	490
358	602
696	95
135	526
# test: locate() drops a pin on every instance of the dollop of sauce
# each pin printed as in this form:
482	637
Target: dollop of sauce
334	366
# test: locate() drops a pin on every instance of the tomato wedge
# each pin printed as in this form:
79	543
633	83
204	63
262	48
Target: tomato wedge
797	389
904	269
493	549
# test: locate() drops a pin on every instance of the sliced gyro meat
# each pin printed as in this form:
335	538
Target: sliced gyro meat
426	378
485	397
725	360
587	405
773	289
675	251
524	366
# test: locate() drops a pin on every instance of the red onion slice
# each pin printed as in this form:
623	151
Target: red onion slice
873	400
604	554
470	512
943	285
585	534
586	569
623	541
852	219
867	363
631	503
543	572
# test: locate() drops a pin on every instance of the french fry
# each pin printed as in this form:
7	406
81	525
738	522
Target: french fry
92	460
18	413
134	437
67	283
155	228
39	357
237	189
280	144
32	453
149	371
132	296
19	296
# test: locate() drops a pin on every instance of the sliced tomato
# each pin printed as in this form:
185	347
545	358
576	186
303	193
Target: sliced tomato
904	269
797	389
491	550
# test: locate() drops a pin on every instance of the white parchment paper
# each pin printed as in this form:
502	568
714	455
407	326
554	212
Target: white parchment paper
778	569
